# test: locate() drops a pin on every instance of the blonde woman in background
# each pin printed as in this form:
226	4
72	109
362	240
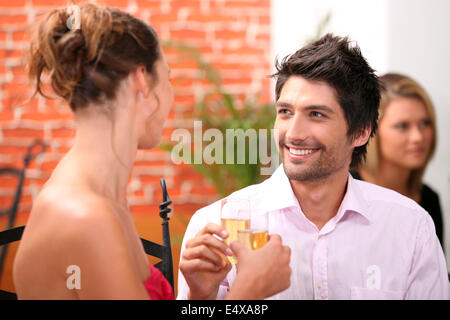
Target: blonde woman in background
398	155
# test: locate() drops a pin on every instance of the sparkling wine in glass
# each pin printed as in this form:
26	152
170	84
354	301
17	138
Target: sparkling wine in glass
257	234
234	216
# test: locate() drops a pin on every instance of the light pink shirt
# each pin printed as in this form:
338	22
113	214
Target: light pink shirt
380	244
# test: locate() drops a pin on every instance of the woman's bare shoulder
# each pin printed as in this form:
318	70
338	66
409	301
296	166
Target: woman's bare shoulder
68	216
71	227
69	201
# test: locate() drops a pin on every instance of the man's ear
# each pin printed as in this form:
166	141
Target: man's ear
362	137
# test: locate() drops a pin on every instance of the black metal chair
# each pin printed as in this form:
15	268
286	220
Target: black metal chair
20	174
163	252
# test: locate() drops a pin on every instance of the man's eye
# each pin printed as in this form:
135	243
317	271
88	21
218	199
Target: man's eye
317	114
284	111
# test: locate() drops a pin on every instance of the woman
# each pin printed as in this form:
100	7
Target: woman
113	75
398	155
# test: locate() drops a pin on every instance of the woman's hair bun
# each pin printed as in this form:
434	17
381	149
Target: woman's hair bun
70	58
85	64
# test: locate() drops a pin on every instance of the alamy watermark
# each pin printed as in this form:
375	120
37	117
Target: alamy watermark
261	147
74	20
74	280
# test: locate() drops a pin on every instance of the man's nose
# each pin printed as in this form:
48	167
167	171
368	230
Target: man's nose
297	129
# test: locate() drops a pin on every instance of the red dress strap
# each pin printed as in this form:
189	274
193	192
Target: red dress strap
157	286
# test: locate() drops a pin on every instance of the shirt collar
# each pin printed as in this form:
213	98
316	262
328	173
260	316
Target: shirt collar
354	200
278	194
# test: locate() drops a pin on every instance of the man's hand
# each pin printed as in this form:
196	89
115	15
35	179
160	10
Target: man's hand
204	263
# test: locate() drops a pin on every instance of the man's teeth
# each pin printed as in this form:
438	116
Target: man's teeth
300	152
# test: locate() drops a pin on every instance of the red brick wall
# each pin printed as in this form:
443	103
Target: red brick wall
234	36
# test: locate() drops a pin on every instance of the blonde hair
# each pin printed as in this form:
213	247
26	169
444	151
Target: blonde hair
393	86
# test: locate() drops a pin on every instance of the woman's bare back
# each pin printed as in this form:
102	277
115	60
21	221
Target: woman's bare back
64	221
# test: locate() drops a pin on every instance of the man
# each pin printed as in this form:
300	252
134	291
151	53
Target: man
349	239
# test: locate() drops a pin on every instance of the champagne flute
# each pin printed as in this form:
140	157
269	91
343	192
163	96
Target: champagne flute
257	234
234	216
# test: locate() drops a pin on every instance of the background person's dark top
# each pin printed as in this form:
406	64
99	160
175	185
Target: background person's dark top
429	200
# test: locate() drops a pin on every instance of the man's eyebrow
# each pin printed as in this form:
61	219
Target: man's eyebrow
281	104
284	104
319	107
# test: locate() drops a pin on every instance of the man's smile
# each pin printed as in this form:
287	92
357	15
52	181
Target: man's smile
300	153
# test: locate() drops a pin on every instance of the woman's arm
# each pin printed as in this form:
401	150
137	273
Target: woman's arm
261	273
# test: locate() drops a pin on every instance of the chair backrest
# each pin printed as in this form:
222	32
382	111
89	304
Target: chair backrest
7	237
20	174
163	252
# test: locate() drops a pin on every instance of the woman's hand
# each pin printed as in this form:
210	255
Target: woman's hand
204	263
263	272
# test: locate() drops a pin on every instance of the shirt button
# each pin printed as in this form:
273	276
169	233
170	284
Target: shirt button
319	285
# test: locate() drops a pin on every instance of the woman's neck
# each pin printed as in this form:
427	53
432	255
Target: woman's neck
104	151
391	176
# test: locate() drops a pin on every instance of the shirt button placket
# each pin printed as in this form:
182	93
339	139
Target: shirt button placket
320	269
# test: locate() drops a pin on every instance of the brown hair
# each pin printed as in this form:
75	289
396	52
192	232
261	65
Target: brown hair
393	86
86	65
335	61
